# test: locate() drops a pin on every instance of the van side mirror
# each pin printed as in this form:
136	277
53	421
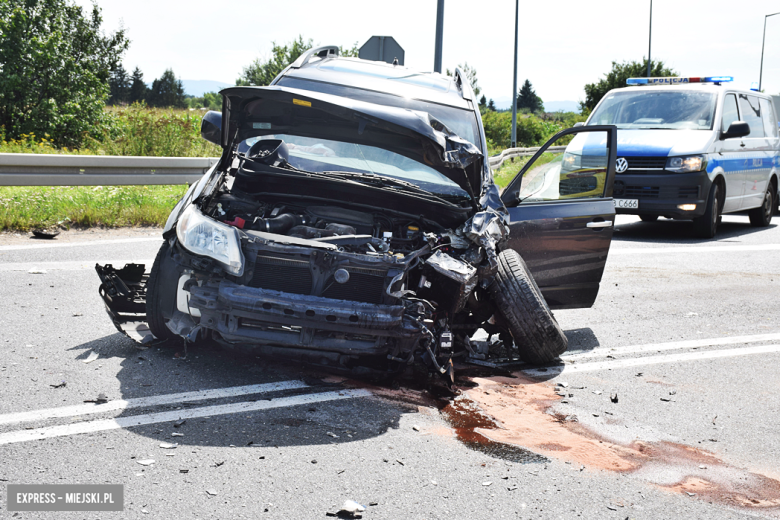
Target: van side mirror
580	123
211	127
736	129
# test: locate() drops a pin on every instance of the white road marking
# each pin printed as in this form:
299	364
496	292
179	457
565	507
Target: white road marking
75	265
54	244
155	400
653	360
175	415
675	345
692	249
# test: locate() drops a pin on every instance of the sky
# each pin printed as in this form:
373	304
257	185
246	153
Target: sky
562	45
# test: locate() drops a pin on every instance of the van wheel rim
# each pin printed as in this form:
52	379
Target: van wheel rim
768	205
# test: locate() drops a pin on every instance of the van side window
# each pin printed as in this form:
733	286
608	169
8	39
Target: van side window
730	113
769	117
751	114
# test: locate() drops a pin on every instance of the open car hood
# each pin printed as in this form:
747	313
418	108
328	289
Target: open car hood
258	111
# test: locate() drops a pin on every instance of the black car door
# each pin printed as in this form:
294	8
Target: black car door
562	215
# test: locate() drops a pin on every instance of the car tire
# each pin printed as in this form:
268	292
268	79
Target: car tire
762	215
154	316
519	301
707	225
648	218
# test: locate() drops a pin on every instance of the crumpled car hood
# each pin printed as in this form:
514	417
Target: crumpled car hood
257	111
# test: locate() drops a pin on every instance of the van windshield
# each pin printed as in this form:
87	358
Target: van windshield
643	110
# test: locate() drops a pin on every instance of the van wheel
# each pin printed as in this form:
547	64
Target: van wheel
519	301
154	287
648	218
707	225
762	216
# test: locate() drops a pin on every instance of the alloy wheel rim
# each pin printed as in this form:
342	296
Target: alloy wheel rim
768	205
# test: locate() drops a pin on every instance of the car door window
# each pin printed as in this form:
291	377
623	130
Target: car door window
730	113
768	117
573	167
751	114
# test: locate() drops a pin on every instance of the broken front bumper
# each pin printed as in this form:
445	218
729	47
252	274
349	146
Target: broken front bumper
248	315
124	294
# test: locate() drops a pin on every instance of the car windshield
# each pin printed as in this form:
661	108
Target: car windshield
323	155
643	109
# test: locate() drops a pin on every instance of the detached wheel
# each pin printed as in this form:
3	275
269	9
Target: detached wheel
707	225
154	297
519	301
762	216
648	218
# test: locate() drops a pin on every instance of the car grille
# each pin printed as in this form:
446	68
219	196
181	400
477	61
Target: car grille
642	163
294	276
364	285
577	185
620	190
282	274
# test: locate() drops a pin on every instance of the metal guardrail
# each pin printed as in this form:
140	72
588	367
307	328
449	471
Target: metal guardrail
496	161
29	169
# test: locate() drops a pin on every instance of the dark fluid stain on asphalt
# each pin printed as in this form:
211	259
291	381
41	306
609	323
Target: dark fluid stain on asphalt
464	420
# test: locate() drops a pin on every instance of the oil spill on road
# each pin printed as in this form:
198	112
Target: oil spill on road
465	418
519	411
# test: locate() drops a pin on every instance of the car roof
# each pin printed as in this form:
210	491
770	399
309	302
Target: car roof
382	77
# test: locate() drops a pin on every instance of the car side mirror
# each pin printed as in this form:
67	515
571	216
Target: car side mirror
736	129
211	127
580	123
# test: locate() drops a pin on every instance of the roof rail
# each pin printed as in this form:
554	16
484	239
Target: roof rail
326	51
463	84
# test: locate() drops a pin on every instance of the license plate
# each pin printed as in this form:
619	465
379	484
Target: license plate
626	203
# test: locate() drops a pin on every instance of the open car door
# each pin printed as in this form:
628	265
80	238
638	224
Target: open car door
562	214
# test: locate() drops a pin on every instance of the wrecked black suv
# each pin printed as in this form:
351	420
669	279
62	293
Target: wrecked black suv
352	221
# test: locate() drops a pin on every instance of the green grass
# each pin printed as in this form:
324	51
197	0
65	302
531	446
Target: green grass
25	208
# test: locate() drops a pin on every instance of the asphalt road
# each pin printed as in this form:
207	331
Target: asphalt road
684	335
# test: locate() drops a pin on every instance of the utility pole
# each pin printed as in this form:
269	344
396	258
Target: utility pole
514	81
763	41
439	36
650	39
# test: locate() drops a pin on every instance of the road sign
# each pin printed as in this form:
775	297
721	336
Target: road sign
382	48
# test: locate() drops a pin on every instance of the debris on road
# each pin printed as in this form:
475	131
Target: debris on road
177	434
416	428
351	507
180	422
36	271
60	385
145	462
666	399
331	434
597	392
100	399
92	357
211	492
169	446
486	484
613	398
47	234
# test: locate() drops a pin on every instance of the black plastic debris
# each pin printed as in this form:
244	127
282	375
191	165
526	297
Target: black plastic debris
47	234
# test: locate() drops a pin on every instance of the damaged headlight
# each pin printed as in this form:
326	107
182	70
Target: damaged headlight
204	236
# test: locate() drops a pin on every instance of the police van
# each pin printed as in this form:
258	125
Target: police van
693	148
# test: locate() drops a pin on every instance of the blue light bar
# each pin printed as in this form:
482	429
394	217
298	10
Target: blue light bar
678	80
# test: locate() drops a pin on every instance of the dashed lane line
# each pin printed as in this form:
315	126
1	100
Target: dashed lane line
155	400
576	368
692	249
49	245
161	417
674	345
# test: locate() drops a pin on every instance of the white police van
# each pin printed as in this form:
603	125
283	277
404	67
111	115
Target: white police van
693	148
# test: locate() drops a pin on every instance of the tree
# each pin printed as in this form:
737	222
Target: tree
167	91
528	99
491	105
471	74
138	88
260	73
483	102
55	63
212	100
119	86
617	77
349	53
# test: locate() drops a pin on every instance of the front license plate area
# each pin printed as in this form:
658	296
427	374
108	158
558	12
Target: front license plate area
626	203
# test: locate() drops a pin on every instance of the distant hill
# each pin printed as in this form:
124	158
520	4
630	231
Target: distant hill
198	87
